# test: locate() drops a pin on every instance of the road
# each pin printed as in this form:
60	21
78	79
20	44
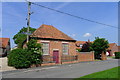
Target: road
63	71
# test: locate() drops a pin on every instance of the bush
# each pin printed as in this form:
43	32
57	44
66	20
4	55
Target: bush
19	58
86	47
78	50
117	55
36	50
24	58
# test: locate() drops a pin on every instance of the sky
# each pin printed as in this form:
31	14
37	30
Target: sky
14	16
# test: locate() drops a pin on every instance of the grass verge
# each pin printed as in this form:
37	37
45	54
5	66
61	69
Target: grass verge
110	74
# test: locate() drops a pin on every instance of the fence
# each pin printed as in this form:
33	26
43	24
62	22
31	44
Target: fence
65	58
68	58
47	59
79	57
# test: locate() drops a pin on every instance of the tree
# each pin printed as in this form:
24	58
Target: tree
99	45
36	50
21	36
86	47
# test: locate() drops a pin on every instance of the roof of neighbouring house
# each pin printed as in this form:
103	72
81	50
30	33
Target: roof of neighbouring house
81	42
119	48
50	32
4	42
111	45
78	43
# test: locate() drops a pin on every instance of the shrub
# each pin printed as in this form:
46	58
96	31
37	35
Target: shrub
24	58
78	50
36	49
19	58
86	47
117	55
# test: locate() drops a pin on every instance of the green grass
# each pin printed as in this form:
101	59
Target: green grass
108	74
113	57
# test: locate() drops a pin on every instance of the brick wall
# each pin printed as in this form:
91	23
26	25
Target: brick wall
57	45
118	48
103	56
85	56
68	58
47	59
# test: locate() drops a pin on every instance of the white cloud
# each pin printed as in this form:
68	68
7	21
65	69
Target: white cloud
87	35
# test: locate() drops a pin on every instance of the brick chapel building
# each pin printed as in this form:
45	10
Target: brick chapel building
54	42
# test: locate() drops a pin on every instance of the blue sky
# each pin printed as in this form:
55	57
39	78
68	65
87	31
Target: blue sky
14	16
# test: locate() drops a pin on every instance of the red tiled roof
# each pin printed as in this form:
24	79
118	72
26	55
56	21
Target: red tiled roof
111	45
81	42
77	43
48	31
4	42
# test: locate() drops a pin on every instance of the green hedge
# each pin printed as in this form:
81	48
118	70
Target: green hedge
19	58
24	58
117	55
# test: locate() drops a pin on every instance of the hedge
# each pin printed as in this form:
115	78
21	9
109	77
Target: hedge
24	58
19	58
117	55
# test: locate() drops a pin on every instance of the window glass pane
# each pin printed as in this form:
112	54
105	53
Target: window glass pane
65	49
45	48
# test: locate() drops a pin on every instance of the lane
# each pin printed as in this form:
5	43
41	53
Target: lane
65	71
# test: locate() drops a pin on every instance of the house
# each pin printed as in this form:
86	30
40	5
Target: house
80	44
56	45
4	46
112	49
118	48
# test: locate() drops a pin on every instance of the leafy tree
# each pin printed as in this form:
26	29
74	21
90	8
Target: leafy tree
21	36
36	50
99	45
86	47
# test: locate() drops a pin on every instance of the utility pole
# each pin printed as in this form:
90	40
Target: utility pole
28	20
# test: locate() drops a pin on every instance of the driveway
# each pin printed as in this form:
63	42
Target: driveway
63	71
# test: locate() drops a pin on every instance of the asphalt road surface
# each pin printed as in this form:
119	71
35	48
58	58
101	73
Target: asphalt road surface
63	71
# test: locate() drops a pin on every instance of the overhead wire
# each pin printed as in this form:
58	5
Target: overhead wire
74	15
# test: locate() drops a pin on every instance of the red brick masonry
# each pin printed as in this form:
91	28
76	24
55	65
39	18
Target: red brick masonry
80	57
85	56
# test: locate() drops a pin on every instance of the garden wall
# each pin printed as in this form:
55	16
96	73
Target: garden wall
85	56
